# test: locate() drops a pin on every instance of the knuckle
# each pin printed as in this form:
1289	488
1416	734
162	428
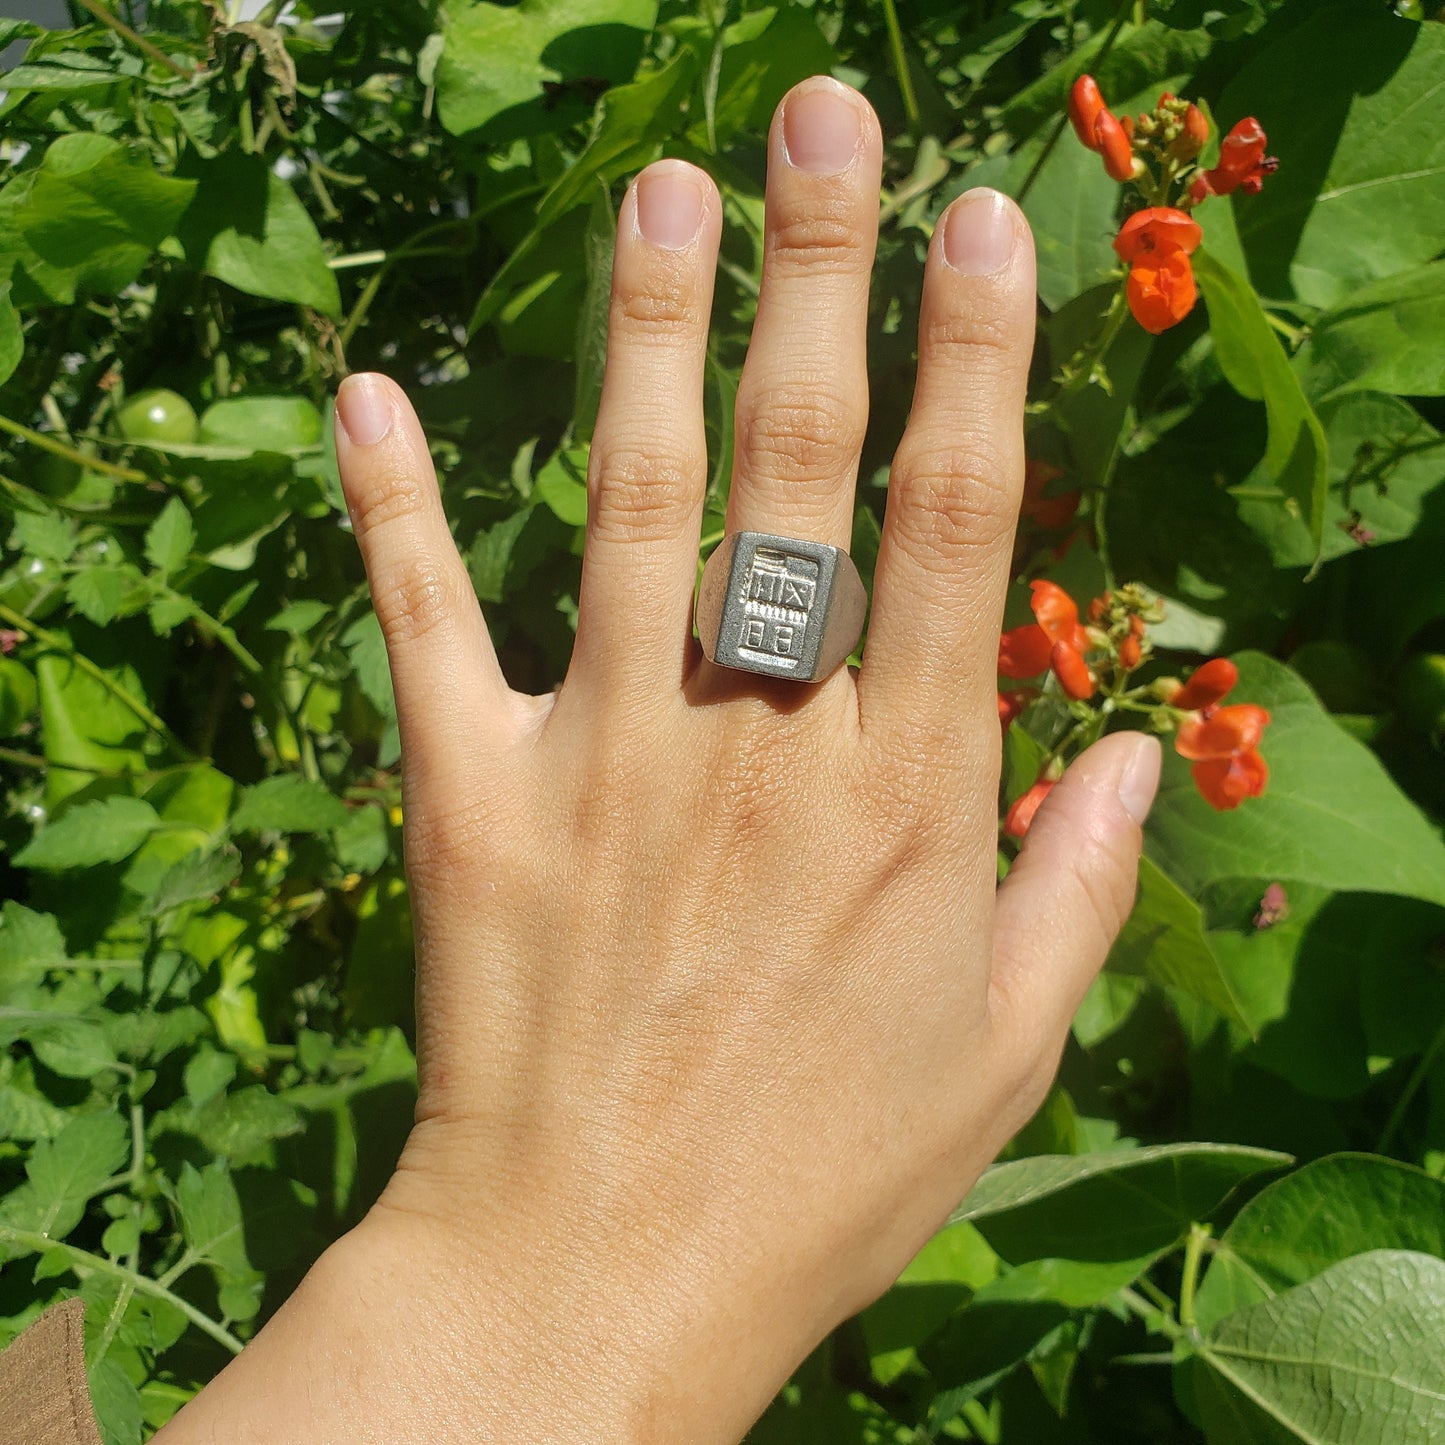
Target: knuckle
797	435
968	333
824	238
641	495
667	305
391	494
421	599
949	497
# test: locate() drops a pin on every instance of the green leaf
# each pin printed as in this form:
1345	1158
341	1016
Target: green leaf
89	833
1164	941
1384	463
1352	1358
1385	337
170	538
632	121
559	484
74	1048
1331	815
45	534
262	423
101	594
288	803
12	341
214	1231
1117	1206
247	227
764	54
96	212
1328	1210
1350	100
196	878
510	61
590	348
1252	359
29	942
63	1173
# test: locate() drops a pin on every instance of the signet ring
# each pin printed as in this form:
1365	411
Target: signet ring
780	605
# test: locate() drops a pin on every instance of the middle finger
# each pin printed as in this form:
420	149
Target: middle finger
802	404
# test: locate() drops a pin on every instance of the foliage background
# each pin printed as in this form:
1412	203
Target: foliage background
205	951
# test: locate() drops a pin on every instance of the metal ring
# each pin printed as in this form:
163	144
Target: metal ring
780	606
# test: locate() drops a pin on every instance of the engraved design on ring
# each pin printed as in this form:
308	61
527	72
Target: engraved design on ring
782	606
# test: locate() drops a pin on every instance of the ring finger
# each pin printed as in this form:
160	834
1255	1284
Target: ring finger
802	404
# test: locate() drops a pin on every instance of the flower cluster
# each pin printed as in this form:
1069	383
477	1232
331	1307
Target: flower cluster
1090	661
1158	152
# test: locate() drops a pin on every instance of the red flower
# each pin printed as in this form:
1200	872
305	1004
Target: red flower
1021	815
1085	103
1072	671
1050	513
1243	164
1221	742
1112	142
1162	292
1221	732
1155	232
1226	782
1130	653
1211	683
1027	651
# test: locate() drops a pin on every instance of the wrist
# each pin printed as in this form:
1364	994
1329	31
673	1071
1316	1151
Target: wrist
408	1327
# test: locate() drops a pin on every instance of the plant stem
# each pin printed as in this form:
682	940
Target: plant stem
131	38
59	449
36	1243
900	64
1121	18
1193	1253
58	642
1407	1094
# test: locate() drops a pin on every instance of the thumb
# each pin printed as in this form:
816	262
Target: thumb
1066	898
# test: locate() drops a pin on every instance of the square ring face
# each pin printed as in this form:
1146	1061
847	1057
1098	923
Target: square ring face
776	605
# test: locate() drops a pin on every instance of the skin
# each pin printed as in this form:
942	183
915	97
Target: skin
720	1010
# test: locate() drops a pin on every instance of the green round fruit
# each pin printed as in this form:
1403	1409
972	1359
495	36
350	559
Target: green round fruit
158	415
1420	692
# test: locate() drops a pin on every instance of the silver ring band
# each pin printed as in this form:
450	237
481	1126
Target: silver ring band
780	606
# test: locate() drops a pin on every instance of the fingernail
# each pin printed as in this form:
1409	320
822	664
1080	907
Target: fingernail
1139	780
363	409
669	205
979	234
821	127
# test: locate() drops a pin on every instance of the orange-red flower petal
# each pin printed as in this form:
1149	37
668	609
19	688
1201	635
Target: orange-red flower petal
1161	292
1114	145
1211	682
1072	671
1085	103
1058	614
1220	732
1157	231
1226	782
1021	815
1024	651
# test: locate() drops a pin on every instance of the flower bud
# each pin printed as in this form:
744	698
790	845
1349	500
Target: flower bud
1113	144
1085	103
1072	672
1130	653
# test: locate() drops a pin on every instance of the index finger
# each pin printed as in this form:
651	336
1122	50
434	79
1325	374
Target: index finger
954	489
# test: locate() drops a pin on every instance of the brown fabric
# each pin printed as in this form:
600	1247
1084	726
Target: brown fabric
44	1398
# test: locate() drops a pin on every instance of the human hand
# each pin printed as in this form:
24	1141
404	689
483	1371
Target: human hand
719	1009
